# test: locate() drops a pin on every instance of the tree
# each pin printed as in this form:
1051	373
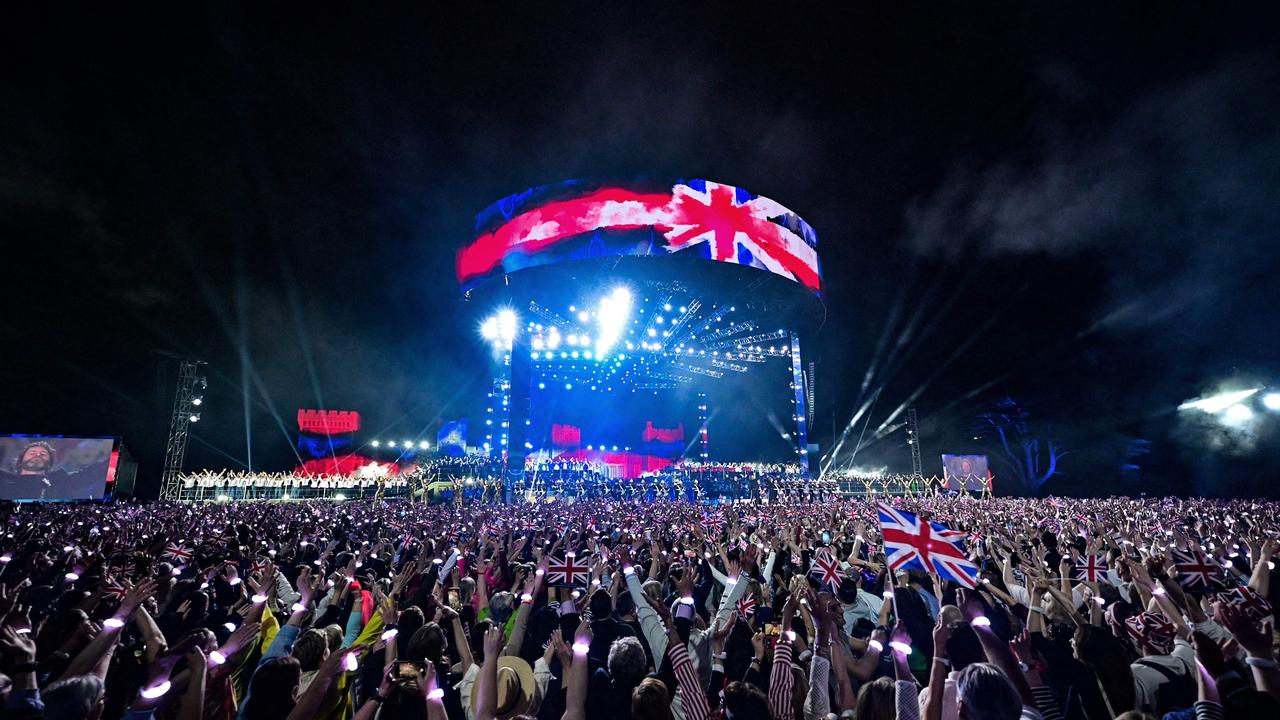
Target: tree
1031	456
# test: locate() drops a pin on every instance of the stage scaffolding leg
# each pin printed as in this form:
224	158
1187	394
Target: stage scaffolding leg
799	404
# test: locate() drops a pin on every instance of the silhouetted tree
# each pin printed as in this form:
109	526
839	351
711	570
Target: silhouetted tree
1030	455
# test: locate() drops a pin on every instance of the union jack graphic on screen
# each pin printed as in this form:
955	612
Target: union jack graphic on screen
575	220
910	543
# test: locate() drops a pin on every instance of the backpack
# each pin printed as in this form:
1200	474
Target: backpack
1177	692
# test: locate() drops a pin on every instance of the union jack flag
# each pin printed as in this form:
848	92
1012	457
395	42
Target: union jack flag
113	592
567	572
258	566
1246	599
827	568
1195	572
746	606
1092	568
176	552
910	542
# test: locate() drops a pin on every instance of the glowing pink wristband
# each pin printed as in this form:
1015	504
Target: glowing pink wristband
875	645
437	694
980	621
901	647
257	599
113	622
580	648
352	663
155	691
217	658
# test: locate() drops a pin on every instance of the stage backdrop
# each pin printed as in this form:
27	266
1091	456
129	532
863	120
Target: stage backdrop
55	468
965	471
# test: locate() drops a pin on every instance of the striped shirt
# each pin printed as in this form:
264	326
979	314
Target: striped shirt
781	682
693	701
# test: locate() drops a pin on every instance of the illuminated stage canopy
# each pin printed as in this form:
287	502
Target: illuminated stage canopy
577	220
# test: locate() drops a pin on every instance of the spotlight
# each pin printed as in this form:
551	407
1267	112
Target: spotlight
583	316
1271	401
375	443
391	443
197	401
408	444
489	329
423	445
195	417
507	325
1217	403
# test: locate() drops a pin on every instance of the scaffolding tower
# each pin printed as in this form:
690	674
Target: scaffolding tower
186	410
913	439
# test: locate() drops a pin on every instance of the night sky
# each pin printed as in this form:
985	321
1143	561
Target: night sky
1079	205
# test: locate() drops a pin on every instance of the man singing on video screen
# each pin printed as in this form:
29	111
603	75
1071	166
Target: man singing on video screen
34	476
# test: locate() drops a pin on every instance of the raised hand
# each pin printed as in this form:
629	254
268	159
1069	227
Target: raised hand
493	642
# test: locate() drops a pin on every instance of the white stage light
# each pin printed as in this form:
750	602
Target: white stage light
1237	415
195	418
572	339
489	329
375	443
553	339
612	316
583	316
424	445
408	444
197	401
507	321
1217	403
1271	401
391	443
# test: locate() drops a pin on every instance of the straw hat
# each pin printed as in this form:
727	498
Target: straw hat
515	687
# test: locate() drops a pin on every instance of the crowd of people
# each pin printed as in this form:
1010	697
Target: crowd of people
1089	609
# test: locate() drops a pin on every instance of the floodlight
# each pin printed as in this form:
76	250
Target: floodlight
376	443
1271	401
1217	403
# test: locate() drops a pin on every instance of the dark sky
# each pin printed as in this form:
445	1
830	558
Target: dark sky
1078	203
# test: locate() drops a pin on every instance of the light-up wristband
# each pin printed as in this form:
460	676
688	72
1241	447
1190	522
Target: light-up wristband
580	648
352	663
980	621
875	645
113	622
155	691
900	647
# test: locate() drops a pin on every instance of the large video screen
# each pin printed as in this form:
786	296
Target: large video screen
55	468
693	218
